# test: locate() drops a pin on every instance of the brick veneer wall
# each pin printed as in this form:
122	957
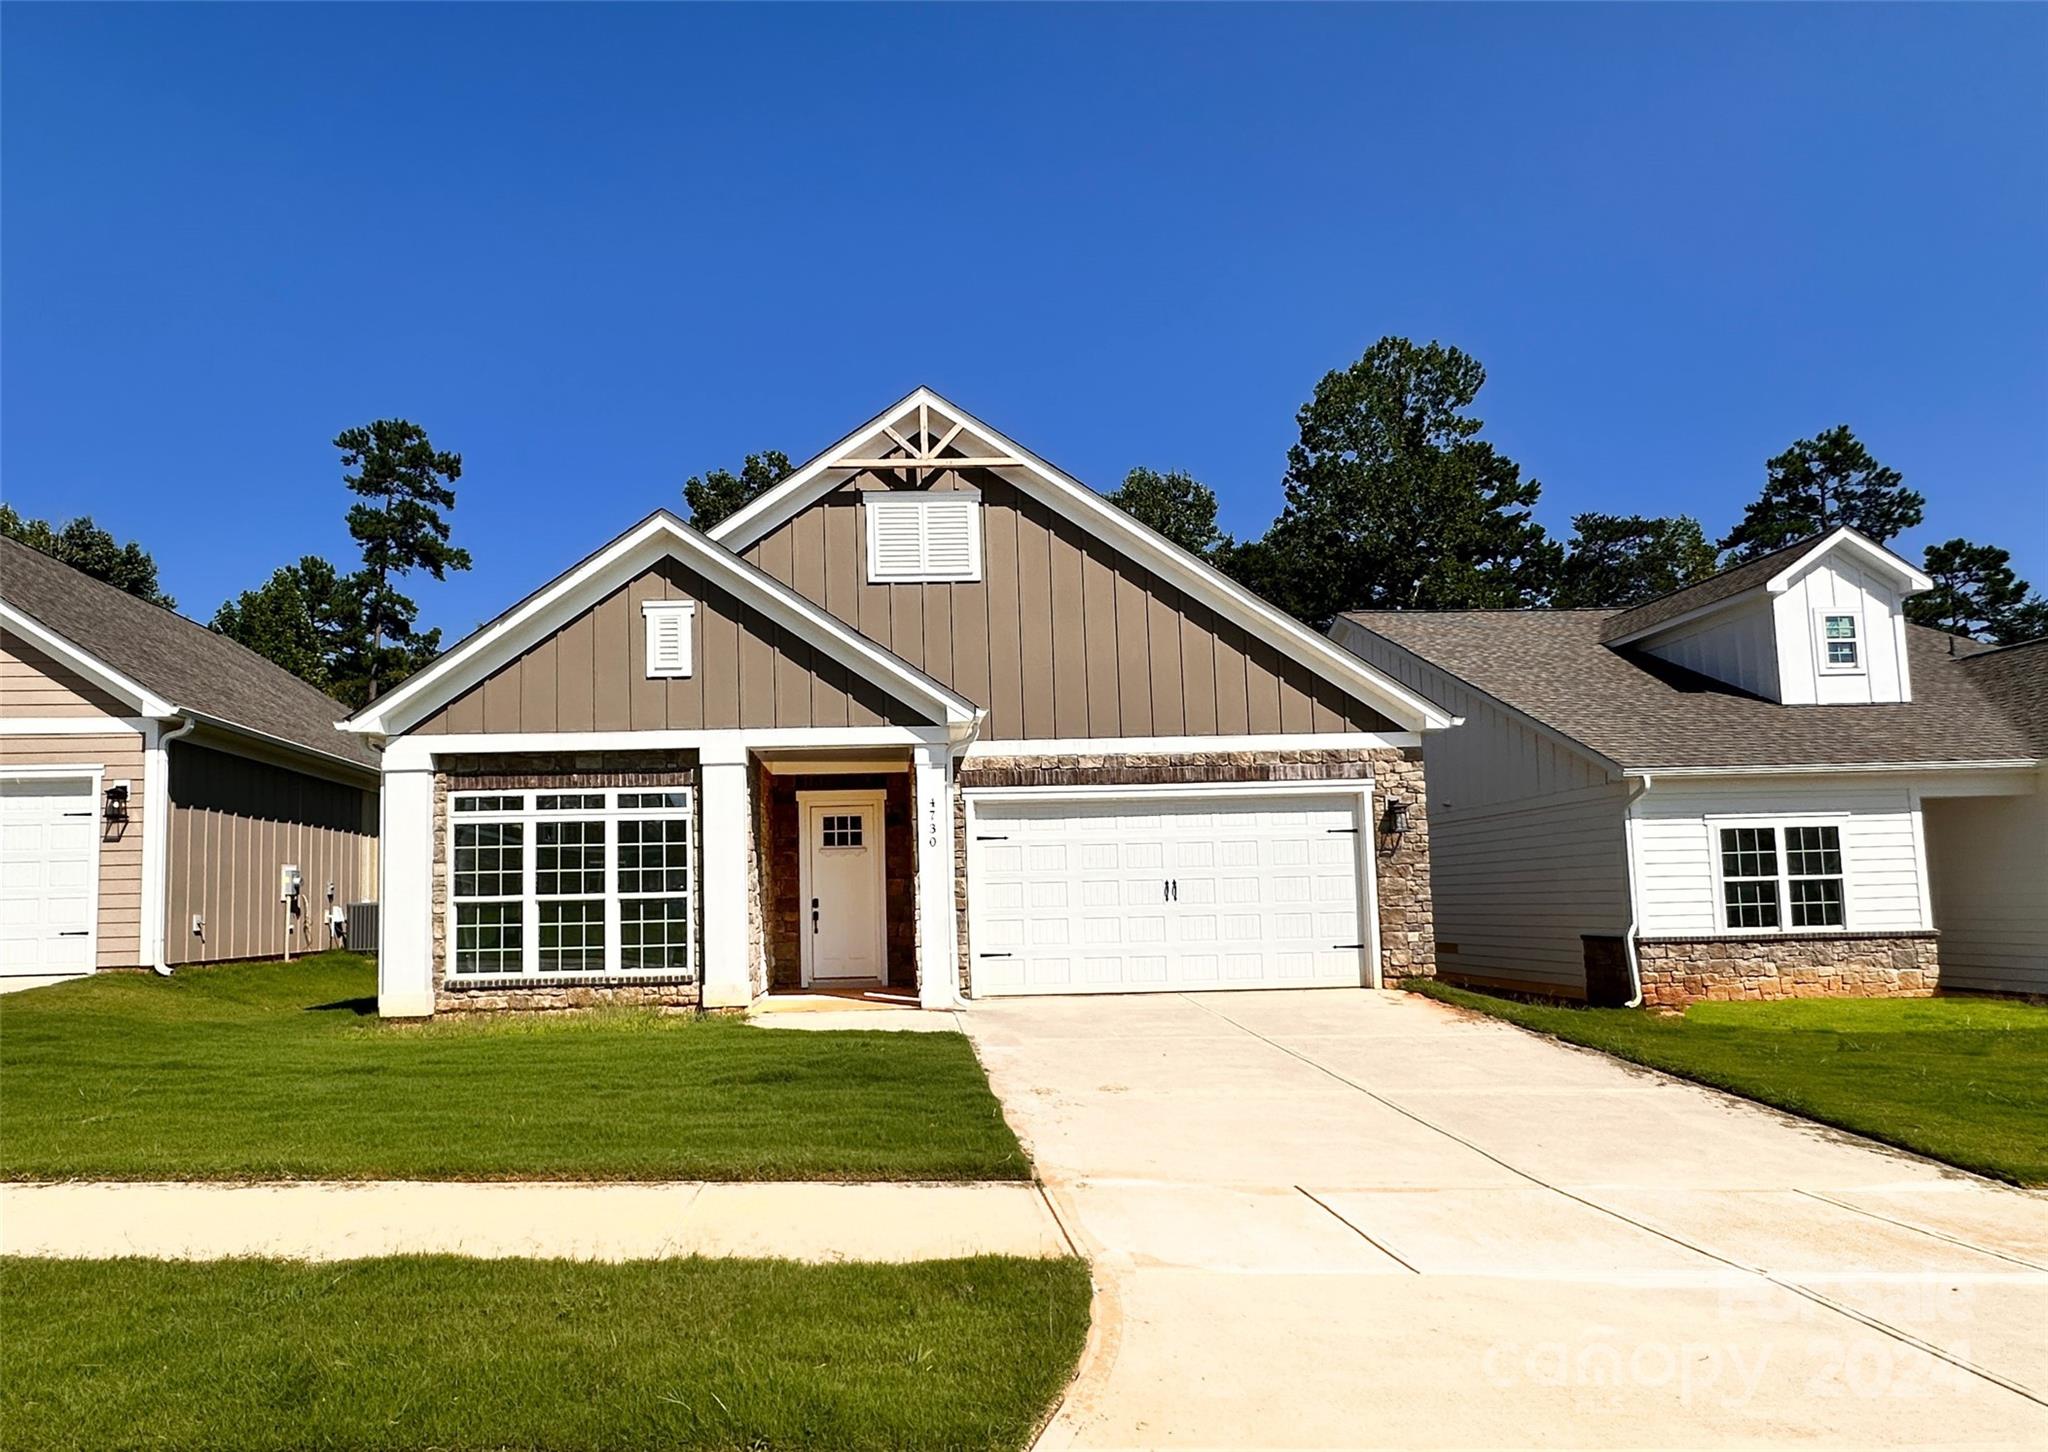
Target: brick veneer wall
1679	971
564	773
1407	917
784	910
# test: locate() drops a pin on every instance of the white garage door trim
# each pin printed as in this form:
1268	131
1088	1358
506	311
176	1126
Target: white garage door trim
93	776
1358	789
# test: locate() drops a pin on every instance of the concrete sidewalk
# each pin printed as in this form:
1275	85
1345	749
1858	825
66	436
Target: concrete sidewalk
341	1221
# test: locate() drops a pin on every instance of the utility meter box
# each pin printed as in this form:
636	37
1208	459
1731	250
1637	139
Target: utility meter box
288	883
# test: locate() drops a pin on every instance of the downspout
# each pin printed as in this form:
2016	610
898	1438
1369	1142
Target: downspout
161	826
1635	912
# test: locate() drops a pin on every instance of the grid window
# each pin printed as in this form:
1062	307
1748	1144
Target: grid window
1813	851
490	804
1816	902
489	937
841	831
1749	876
654	856
654	932
569	802
572	936
568	858
1839	634
489	859
642	800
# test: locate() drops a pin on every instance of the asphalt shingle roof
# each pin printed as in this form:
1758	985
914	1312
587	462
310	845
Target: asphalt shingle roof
1641	712
2016	677
183	662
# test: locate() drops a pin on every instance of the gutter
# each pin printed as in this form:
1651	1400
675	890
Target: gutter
1635	911
157	824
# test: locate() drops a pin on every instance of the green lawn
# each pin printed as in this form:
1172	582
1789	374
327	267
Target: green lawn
443	1352
1963	1080
269	1070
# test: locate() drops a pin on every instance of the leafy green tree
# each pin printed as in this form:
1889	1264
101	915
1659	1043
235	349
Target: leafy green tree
1820	484
720	492
403	482
1976	593
1395	502
1624	559
89	549
1176	505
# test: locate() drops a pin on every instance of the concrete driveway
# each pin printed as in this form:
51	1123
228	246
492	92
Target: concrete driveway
1352	1219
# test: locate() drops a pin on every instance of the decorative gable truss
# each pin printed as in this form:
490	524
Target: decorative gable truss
924	434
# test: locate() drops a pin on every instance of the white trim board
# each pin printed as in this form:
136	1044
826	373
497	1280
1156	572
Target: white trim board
74	725
1178	745
417	753
660	535
145	701
1077	502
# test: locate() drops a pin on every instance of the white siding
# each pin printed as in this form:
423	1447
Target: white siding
1989	865
1739	646
1838	583
1675	843
1526	842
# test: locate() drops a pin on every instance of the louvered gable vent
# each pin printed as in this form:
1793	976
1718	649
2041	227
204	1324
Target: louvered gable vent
670	630
917	537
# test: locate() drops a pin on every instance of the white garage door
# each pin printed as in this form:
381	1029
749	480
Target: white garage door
1079	896
49	865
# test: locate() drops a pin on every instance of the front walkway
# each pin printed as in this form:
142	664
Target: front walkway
340	1221
1348	1219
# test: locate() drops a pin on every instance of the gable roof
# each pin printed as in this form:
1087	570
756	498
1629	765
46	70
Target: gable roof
969	443
1771	572
2016	677
162	663
1642	713
581	586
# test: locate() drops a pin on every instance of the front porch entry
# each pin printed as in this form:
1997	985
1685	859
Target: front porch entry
839	875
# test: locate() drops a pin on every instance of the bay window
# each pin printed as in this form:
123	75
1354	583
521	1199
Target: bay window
1780	876
572	884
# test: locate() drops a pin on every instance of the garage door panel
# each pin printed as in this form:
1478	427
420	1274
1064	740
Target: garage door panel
1258	893
49	865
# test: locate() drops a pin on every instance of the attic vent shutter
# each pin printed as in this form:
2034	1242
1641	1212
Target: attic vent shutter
669	631
924	537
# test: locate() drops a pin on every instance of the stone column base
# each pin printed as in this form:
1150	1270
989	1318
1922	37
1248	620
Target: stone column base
1679	971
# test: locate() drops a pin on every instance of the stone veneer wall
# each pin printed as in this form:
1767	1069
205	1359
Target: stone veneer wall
782	893
1679	971
1407	916
529	772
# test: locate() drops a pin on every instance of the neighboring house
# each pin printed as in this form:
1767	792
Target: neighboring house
154	780
927	715
1765	785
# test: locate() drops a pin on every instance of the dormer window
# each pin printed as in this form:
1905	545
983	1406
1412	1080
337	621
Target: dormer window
1841	642
923	537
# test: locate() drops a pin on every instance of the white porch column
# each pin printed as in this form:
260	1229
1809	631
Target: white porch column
405	893
727	972
938	968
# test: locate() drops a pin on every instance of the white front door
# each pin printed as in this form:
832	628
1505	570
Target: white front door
1093	896
842	887
49	874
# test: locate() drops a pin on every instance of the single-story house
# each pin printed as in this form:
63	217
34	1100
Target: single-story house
1767	784
155	780
928	716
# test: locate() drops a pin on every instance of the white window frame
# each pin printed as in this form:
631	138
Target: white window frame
875	504
1778	825
531	816
1854	615
655	613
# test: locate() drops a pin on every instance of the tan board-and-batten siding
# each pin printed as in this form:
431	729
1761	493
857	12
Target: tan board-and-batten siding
591	675
1064	637
235	822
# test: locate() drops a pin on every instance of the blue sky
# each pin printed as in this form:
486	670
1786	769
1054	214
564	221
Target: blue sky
597	249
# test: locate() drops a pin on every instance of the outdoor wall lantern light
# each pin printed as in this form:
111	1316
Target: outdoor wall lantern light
116	810
1393	824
